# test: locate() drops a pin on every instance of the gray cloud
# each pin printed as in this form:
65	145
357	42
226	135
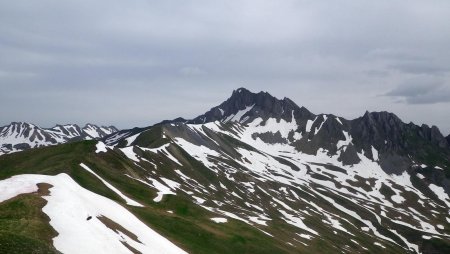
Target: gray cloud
422	67
423	90
136	63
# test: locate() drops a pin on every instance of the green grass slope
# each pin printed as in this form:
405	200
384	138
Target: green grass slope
24	227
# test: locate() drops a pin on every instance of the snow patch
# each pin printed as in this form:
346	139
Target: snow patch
201	152
379	244
262	220
296	221
162	189
440	192
131	139
101	147
237	117
309	124
128	151
219	220
162	149
309	237
199	200
374	154
127	199
320	127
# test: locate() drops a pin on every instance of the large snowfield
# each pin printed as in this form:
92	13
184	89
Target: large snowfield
69	206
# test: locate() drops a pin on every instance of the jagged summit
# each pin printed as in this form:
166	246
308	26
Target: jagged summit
309	133
244	106
383	130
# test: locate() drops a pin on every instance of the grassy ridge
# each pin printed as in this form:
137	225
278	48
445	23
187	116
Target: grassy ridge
24	228
189	226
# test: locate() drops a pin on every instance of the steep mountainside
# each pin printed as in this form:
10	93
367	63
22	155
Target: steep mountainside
252	175
19	136
398	143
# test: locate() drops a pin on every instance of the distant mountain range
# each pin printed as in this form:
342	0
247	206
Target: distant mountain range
19	136
255	174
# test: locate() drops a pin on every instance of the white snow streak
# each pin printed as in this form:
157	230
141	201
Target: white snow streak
127	199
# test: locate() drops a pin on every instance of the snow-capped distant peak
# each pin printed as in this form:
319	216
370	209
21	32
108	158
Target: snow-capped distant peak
19	136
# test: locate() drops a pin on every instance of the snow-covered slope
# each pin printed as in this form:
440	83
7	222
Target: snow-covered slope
19	136
95	132
258	182
87	222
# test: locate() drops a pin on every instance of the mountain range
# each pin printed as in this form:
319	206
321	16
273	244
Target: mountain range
255	174
19	136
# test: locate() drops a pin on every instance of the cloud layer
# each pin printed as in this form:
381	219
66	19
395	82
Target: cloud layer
138	62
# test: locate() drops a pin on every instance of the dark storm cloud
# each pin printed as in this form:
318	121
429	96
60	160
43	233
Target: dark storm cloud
138	62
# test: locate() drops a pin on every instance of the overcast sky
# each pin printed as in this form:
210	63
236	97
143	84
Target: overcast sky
135	63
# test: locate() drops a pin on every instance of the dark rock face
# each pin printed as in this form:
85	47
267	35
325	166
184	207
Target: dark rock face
270	138
22	146
394	140
349	156
380	129
330	131
394	163
6	147
263	105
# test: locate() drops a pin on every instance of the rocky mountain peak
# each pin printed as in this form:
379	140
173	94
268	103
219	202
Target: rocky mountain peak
379	126
381	136
390	127
21	125
242	98
383	118
244	106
